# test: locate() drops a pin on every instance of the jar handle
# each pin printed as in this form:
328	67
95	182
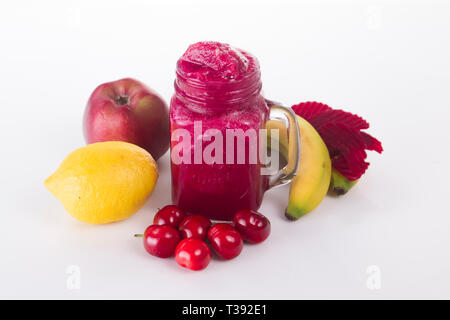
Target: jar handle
281	114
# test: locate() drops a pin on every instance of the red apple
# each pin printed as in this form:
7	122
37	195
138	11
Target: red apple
127	110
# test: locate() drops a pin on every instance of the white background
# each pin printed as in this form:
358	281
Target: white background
388	61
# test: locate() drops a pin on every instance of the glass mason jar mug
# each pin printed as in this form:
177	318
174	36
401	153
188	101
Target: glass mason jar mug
218	150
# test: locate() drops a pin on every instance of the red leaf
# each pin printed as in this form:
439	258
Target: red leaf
341	132
308	110
346	148
340	116
371	143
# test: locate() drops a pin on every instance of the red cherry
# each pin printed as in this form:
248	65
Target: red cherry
194	227
169	215
193	254
225	240
161	241
253	226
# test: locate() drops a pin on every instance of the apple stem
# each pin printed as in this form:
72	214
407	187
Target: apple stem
123	100
139	235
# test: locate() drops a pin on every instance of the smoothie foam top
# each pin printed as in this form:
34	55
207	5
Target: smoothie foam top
215	61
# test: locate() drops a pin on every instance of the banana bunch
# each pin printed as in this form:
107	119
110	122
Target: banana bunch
340	185
314	176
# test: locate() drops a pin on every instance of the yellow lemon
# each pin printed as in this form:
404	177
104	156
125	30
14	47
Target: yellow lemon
104	182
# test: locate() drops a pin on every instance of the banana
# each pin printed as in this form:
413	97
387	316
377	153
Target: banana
340	185
282	146
312	181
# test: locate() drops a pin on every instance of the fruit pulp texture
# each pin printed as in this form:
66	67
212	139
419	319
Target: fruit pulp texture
219	86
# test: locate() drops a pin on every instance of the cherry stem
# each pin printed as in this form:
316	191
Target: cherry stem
139	235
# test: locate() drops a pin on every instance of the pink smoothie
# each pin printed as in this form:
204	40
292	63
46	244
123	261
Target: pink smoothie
220	86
